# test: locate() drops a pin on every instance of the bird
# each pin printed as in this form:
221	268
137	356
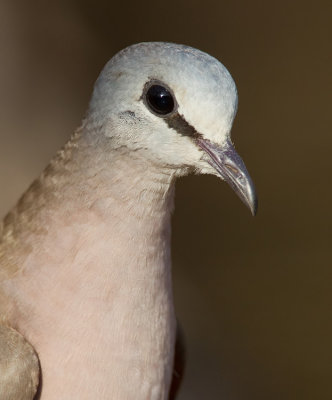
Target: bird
86	303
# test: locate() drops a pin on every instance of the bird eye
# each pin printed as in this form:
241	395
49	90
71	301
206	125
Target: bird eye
160	100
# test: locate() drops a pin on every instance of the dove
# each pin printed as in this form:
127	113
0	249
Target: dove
86	303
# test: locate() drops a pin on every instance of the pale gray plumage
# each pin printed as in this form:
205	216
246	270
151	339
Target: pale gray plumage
84	256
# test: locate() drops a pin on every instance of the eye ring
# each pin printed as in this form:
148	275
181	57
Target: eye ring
159	98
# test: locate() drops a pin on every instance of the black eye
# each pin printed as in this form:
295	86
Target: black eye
159	99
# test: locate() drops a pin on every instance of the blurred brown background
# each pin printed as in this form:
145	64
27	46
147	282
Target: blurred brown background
253	294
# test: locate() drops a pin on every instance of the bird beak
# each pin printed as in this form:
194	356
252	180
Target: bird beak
230	167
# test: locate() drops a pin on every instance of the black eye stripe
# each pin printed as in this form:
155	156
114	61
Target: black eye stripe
177	122
160	100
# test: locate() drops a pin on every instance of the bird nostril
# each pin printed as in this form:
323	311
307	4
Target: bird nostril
234	171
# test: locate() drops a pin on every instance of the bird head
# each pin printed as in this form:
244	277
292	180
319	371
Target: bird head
176	105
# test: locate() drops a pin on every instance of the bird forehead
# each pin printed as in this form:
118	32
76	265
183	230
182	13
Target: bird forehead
206	97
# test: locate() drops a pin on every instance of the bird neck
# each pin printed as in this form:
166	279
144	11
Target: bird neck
93	237
85	181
